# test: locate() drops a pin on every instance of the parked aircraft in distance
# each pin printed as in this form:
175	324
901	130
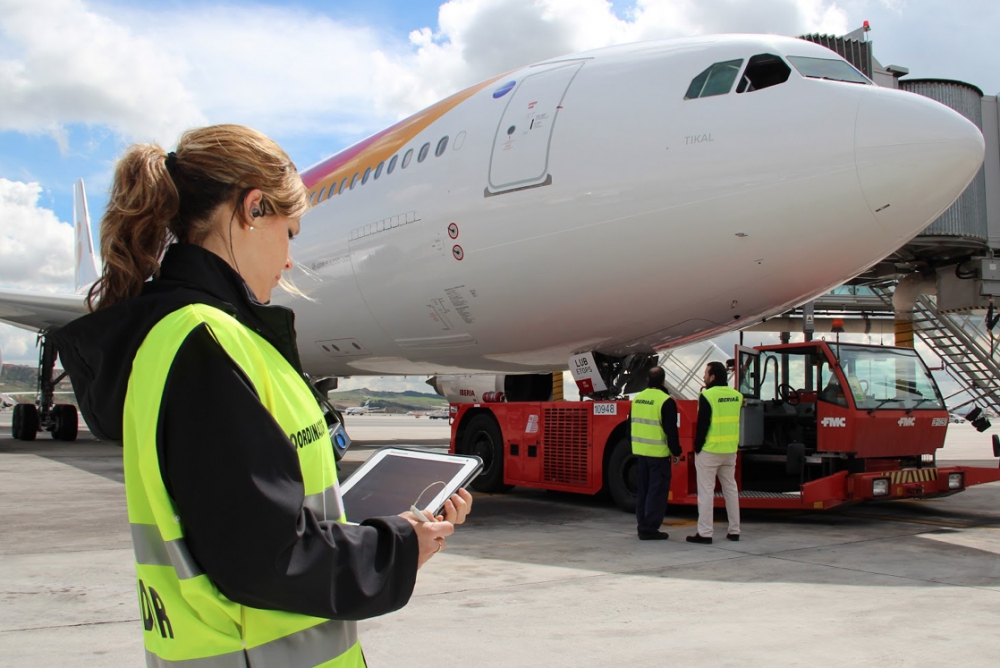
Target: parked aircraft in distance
616	201
363	409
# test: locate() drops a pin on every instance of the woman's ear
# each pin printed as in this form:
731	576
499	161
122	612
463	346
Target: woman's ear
252	207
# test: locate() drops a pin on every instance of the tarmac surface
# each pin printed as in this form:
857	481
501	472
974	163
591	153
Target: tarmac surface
546	579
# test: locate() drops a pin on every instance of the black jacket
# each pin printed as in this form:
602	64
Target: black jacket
228	466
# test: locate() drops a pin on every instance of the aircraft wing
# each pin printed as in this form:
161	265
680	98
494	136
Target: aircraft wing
39	311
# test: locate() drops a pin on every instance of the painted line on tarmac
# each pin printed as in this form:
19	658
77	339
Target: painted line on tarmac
891	518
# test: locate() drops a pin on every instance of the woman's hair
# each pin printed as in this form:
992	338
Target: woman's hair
158	196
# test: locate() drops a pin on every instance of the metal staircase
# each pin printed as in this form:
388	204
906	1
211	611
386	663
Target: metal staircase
684	366
962	346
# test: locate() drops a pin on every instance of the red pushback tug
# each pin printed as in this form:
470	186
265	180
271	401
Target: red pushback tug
823	425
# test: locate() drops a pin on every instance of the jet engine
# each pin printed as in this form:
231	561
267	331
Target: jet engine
489	388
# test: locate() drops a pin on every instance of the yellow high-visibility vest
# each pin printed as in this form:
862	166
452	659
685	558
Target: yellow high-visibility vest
724	431
188	623
648	437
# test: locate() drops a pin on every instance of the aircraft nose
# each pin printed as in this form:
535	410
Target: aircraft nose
914	158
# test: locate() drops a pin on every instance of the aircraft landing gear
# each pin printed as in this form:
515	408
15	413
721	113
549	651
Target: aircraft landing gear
622	375
60	420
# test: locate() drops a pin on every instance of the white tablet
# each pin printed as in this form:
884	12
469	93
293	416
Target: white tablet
393	479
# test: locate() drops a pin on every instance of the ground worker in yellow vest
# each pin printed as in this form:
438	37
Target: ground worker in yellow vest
242	556
653	423
716	440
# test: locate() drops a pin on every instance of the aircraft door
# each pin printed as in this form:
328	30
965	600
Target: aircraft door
520	157
748	384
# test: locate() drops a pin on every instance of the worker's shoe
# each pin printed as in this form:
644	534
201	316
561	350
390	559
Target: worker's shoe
656	535
698	538
733	536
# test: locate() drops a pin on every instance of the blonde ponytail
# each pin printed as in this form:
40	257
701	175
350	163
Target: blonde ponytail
158	197
134	230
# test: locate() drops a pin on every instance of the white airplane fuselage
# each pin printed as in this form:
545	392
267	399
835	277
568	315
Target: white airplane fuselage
584	204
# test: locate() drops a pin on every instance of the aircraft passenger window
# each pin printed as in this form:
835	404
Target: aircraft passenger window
321	191
392	165
364	179
312	199
763	71
378	170
424	150
354	180
828	68
333	190
716	80
407	158
442	145
343	184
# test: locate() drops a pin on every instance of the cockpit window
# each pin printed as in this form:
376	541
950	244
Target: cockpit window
827	68
716	80
763	71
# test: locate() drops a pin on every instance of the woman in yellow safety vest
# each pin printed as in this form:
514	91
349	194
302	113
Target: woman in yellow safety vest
242	556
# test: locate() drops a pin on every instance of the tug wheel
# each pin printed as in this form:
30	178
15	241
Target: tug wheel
483	439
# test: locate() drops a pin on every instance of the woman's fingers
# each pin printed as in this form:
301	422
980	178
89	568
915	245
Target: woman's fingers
457	508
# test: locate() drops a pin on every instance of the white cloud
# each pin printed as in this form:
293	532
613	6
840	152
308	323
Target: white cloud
149	73
478	39
36	249
63	63
17	346
36	253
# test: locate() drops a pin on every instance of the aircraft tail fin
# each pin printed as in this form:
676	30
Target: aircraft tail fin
86	260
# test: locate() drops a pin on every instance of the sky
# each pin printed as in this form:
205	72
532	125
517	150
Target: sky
81	80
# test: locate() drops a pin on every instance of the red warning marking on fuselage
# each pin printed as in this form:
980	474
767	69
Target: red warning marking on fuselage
453	230
457	252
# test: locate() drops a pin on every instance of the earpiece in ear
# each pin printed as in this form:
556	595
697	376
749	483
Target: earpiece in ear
255	213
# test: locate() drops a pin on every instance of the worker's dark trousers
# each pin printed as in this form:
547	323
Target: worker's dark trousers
651	494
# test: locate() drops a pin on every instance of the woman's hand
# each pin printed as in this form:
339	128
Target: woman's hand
457	508
430	536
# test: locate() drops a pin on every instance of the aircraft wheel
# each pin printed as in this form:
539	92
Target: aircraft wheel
483	438
622	475
66	422
25	422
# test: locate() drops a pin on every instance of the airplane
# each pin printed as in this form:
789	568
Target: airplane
618	201
363	409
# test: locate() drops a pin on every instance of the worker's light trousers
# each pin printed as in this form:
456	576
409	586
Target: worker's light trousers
709	465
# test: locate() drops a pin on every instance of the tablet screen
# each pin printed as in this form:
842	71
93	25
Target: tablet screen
394	484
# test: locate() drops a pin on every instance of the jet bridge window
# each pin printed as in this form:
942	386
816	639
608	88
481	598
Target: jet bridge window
424	150
716	80
834	69
406	159
763	71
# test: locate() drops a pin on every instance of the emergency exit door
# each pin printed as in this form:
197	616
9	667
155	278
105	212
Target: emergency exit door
520	157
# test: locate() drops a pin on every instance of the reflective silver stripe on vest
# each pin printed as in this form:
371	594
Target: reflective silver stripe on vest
233	660
325	505
307	648
655	423
647	441
151	550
